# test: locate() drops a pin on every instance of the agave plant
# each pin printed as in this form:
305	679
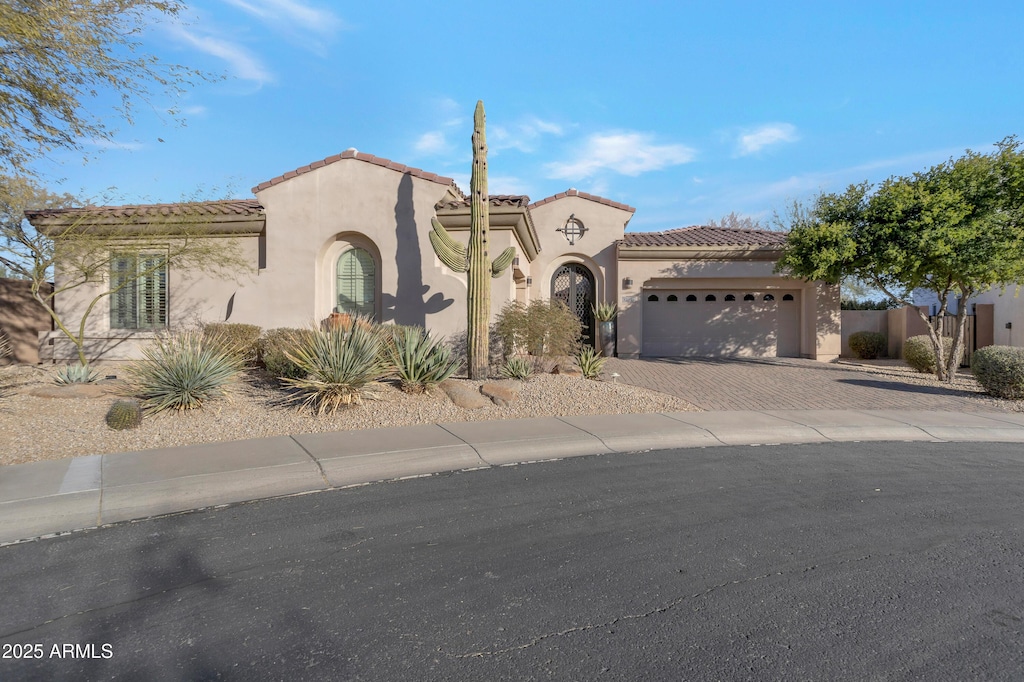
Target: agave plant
340	366
182	372
516	368
420	361
605	312
75	374
591	362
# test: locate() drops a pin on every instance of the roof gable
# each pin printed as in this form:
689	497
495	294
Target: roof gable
354	154
583	195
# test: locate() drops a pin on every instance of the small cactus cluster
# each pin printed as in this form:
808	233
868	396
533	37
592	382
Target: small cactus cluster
124	414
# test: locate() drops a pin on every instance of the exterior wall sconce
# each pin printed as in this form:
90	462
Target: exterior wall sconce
627	282
515	262
573	229
529	281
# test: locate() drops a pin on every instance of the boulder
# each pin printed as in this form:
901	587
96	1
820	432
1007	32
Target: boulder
463	395
500	392
567	370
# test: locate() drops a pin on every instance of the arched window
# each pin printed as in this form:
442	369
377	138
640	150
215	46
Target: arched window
672	297
355	290
691	298
769	297
710	297
652	297
748	297
730	297
787	297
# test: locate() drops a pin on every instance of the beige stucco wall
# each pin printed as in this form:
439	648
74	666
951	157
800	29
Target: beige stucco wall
596	249
854	321
1007	308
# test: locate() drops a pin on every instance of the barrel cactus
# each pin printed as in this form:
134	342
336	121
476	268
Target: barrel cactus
475	259
124	414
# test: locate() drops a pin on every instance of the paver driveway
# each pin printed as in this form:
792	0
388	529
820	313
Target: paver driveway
785	384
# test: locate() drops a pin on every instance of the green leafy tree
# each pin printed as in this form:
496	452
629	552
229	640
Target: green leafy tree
60	58
955	228
76	248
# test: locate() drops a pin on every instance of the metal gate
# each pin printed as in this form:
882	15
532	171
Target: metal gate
573	285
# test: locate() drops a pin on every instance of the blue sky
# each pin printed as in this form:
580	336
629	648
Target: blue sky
685	110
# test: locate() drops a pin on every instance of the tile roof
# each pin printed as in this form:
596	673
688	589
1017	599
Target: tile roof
704	236
513	200
227	207
353	154
583	195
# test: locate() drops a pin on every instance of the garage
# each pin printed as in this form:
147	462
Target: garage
721	323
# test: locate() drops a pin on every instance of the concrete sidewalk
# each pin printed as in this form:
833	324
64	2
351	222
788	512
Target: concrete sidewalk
85	492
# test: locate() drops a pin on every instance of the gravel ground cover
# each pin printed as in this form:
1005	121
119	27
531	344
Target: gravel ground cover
34	428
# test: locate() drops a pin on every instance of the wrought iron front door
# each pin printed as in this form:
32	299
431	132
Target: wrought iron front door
573	285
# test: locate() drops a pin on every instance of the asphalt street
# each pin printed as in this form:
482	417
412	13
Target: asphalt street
826	561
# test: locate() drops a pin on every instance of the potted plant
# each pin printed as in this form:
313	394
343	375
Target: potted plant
605	314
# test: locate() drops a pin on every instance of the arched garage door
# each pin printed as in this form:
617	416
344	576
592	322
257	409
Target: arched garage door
736	323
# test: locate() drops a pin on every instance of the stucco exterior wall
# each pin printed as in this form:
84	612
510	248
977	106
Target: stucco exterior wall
22	318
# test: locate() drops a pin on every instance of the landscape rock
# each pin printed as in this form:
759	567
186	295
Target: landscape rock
70	391
567	370
500	392
464	396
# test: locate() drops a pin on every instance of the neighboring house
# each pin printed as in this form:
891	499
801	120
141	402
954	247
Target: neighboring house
350	234
1002	310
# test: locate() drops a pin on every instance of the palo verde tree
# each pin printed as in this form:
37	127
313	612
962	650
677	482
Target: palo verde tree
474	259
956	228
59	59
79	250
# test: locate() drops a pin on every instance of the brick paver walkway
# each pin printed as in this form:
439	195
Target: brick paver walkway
785	384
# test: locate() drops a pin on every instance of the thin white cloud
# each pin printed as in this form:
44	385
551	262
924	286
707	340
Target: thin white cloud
626	153
100	143
522	136
194	110
431	143
291	14
756	139
241	62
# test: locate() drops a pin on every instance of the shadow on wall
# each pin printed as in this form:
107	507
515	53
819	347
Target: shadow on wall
21	320
407	306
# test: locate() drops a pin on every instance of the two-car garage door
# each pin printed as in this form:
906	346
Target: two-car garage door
703	323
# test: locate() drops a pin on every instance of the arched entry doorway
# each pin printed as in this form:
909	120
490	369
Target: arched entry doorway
573	285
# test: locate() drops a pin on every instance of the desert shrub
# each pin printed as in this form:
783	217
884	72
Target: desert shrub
516	368
420	361
868	345
919	354
124	414
542	328
1000	370
274	346
591	362
339	367
231	337
182	371
75	374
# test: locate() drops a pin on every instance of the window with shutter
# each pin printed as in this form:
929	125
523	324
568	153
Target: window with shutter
139	283
356	283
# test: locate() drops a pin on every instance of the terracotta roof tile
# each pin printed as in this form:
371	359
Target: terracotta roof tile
704	236
583	195
361	156
227	207
514	200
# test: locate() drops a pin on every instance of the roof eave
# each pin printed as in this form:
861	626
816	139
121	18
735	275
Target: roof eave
513	218
170	226
703	252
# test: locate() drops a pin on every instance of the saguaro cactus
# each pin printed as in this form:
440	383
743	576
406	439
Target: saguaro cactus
474	258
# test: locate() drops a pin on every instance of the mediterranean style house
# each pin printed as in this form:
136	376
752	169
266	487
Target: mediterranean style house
350	234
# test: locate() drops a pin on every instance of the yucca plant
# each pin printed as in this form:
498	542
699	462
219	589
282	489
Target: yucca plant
75	374
182	372
420	361
340	367
591	362
516	368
